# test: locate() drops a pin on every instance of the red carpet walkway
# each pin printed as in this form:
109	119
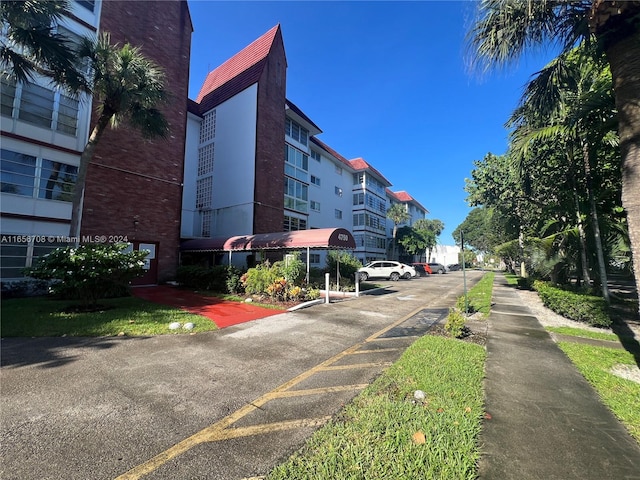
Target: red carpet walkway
222	312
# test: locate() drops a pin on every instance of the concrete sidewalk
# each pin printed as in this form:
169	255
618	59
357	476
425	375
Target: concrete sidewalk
544	420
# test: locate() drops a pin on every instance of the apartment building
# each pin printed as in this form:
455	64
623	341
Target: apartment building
254	163
134	186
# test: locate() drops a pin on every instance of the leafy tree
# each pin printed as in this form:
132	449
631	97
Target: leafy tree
127	87
430	230
412	240
505	29
398	214
30	47
349	264
479	231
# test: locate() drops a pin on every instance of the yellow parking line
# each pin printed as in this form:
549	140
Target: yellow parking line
214	431
356	365
320	391
230	433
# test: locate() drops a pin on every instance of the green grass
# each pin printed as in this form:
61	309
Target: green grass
511	278
579	332
372	438
479	296
43	317
622	396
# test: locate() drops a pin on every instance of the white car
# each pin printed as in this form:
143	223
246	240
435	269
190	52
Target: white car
386	269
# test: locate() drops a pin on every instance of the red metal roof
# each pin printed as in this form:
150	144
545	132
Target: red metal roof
315	238
236	74
360	164
403	196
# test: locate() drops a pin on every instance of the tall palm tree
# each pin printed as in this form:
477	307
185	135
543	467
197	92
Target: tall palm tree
506	28
31	47
398	214
127	87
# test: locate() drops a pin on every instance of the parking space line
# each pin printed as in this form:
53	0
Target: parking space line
356	365
218	430
320	391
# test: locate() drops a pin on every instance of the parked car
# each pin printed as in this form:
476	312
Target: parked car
454	267
386	269
423	269
438	268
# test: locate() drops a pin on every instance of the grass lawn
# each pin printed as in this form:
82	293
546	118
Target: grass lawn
622	396
479	297
44	317
579	332
385	434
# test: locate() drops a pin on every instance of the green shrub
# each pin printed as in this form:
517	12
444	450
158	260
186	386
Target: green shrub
455	323
219	278
89	272
256	280
575	306
349	264
525	283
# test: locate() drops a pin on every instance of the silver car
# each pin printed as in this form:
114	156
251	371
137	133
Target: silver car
386	269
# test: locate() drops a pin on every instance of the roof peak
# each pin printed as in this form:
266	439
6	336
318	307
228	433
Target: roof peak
240	62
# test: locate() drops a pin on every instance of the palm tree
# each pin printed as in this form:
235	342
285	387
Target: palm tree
30	47
569	103
126	87
398	214
430	230
506	28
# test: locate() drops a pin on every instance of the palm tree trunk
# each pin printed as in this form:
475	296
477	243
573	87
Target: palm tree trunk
596	225
85	159
624	60
581	235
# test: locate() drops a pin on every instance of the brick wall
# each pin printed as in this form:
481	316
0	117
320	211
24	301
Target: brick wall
269	186
134	185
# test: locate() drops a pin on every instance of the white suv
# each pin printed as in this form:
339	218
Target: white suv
386	269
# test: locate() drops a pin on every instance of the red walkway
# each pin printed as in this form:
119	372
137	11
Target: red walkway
222	312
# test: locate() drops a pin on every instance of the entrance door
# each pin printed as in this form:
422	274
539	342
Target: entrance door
150	276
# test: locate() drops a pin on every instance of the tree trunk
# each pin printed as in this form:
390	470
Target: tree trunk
581	235
624	59
596	224
85	159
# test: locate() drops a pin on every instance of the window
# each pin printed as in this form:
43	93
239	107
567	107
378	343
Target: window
368	220
296	163
314	258
208	127
358	198
204	190
205	159
8	96
296	195
206	223
338	191
54	181
40	106
338	214
88	4
293	223
74	41
296	131
57	181
338	169
36	105
17	255
315	155
18	173
315	206
315	180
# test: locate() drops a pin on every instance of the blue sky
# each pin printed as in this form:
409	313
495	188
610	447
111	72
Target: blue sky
385	81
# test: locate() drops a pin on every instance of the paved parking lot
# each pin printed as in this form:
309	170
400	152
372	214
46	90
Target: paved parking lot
226	405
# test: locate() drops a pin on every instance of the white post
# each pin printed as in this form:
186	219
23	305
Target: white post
338	272
357	284
326	286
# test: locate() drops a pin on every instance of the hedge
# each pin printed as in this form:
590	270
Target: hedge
574	306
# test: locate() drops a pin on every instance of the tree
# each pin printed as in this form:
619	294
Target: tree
398	214
31	48
505	29
127	87
570	104
430	230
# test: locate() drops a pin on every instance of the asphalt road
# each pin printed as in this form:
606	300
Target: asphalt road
228	404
